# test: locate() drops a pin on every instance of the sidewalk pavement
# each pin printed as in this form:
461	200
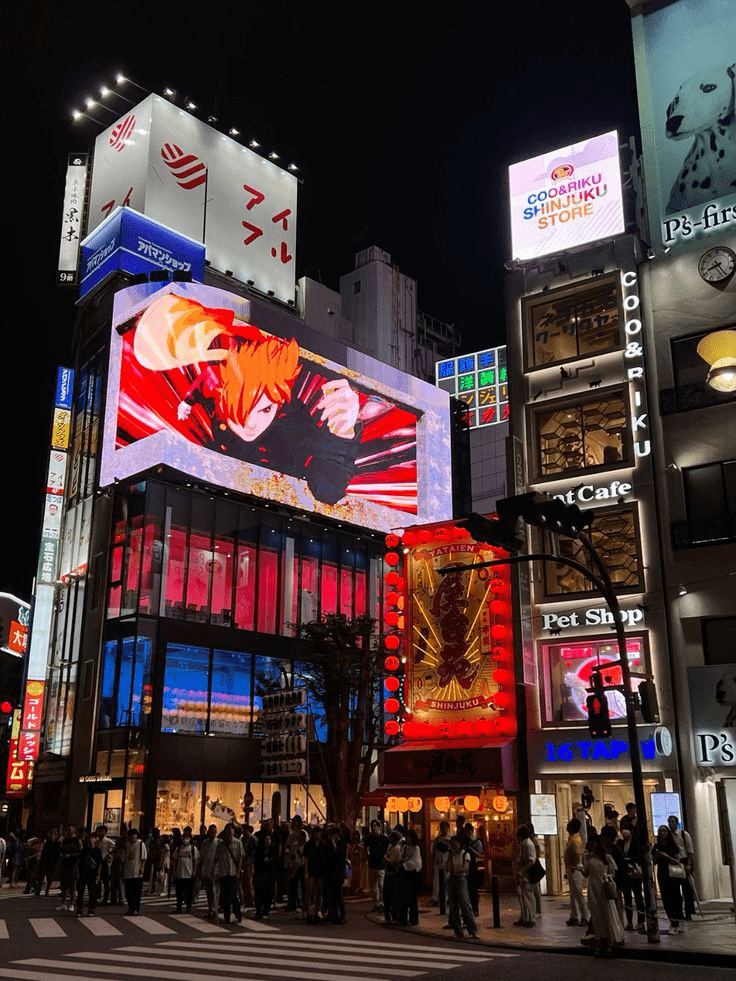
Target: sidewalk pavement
708	939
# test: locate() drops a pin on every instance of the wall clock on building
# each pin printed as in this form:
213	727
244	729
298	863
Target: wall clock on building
717	265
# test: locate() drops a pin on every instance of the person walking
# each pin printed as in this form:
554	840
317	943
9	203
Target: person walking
211	883
574	850
525	858
314	865
392	878
686	854
107	849
69	855
265	871
376	846
411	866
336	854
458	897
670	874
184	864
632	879
440	855
135	863
48	862
88	874
228	866
293	858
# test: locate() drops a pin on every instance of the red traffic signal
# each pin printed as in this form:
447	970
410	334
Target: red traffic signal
6	707
599	721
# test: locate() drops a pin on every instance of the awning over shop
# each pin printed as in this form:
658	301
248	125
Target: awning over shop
448	767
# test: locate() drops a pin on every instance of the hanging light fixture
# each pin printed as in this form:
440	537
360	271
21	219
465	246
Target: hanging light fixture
719	351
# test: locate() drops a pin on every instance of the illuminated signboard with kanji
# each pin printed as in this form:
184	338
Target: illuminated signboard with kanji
479	380
454	630
166	164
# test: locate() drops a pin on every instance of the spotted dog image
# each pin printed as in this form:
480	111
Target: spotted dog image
704	109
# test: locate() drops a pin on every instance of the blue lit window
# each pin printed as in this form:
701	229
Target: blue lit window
445	369
486	359
186	689
466	364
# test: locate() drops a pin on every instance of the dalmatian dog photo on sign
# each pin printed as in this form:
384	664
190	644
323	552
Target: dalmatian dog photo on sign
702	114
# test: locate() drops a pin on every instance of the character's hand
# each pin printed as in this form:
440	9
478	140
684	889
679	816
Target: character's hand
184	410
340	405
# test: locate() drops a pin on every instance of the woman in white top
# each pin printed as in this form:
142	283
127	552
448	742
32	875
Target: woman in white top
135	860
411	866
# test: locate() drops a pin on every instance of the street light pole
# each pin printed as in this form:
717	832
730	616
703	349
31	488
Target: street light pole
602	582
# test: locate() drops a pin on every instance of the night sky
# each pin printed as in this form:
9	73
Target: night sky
402	123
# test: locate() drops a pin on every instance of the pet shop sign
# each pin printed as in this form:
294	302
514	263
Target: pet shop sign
713	707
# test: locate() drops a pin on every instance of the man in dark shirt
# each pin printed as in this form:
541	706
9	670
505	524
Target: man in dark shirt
376	844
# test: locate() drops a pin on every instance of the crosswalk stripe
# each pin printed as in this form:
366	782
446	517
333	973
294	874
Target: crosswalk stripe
346	945
203	926
148	925
100	928
136	972
286	959
3	930
46	927
257	926
16	974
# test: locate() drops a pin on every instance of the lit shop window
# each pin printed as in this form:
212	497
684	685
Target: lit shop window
574	323
206	691
567	671
589	434
613	535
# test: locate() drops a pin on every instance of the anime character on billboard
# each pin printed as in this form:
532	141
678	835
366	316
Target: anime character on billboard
260	404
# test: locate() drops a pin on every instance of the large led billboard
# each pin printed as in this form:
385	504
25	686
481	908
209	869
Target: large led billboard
685	56
195	383
170	166
566	198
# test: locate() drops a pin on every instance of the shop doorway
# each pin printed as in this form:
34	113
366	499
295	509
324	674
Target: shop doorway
607	794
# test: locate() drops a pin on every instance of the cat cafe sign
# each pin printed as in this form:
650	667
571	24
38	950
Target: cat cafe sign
588	493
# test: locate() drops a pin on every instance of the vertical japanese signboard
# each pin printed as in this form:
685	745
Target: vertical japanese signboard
71	223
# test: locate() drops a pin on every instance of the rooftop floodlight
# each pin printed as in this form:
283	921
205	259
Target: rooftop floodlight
292	166
254	144
190	104
233	132
273	155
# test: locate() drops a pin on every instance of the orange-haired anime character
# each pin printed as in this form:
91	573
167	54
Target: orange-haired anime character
247	387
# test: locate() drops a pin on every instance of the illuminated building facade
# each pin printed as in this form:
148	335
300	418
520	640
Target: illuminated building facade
581	359
204	521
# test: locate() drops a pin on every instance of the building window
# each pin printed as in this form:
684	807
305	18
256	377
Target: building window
710	500
206	691
583	435
718	640
614	536
567	668
125	687
356	286
690	371
574	323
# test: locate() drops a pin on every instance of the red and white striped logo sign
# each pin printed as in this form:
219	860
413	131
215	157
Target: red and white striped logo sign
188	170
121	133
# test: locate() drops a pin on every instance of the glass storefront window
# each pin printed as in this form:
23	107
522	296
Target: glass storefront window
178	804
268	577
186	689
567	670
588	434
230	693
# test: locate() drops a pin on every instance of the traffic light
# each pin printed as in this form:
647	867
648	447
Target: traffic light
543	511
648	701
599	721
492	531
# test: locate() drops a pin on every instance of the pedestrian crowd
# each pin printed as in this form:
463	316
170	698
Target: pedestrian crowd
611	863
305	869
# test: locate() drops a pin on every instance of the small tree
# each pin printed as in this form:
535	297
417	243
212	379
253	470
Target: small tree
342	670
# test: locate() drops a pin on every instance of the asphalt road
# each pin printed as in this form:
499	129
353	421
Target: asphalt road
39	943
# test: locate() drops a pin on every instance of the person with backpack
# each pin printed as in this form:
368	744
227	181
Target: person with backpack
228	865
